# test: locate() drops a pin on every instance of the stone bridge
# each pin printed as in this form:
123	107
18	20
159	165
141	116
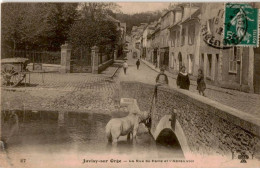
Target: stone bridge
195	123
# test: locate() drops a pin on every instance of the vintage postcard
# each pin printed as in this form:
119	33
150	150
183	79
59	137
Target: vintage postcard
130	84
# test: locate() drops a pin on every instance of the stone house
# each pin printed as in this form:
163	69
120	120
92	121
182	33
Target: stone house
184	39
231	67
136	40
192	35
155	43
166	21
146	48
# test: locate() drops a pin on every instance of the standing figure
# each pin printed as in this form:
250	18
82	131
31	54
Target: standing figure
162	78
183	80
201	85
125	66
138	63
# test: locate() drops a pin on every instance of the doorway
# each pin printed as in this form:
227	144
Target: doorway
179	61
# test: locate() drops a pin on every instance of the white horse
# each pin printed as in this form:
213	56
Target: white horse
128	125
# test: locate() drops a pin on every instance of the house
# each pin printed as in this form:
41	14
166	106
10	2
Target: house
136	39
146	43
166	21
155	43
184	39
230	67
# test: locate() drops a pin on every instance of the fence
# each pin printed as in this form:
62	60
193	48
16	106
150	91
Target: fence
103	57
80	60
44	57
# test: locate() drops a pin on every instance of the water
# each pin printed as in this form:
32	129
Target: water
43	137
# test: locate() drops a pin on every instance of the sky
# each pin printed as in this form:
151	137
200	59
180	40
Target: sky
136	7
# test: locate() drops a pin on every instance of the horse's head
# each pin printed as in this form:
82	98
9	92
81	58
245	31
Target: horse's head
143	116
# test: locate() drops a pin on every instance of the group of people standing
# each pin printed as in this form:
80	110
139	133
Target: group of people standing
183	80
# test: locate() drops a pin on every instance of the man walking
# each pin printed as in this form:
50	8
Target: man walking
138	63
125	66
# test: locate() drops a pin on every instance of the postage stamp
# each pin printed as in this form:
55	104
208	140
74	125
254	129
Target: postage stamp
241	25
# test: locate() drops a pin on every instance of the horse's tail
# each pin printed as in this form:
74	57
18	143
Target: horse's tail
108	132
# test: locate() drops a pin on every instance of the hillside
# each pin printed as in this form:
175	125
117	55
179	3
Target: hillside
138	18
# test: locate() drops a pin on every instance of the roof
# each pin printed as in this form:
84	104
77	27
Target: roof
174	25
177	9
110	18
165	13
194	14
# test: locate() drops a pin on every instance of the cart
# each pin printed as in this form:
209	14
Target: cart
13	71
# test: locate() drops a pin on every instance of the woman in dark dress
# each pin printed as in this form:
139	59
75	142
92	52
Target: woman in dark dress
201	86
183	80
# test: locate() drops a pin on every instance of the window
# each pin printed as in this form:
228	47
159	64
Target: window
202	61
236	55
178	38
209	66
190	63
210	25
173	39
172	60
183	36
191	34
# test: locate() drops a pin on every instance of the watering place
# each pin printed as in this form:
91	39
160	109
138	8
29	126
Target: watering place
48	136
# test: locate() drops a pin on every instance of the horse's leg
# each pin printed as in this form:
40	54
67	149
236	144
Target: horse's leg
114	143
135	133
115	135
129	136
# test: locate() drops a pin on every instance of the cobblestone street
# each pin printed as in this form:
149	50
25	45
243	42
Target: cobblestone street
73	92
99	93
245	102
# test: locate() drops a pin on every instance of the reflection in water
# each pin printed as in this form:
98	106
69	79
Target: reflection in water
52	133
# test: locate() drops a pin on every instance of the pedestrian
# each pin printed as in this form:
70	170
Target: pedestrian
162	78
138	63
183	80
201	85
125	66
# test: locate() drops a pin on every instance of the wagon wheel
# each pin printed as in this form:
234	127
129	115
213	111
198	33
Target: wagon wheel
10	77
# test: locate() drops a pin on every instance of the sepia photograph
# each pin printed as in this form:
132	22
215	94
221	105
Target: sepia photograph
123	84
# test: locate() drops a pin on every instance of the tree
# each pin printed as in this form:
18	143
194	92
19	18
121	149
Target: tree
94	28
12	18
37	26
60	18
97	10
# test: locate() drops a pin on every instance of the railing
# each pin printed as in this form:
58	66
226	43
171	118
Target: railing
44	57
103	57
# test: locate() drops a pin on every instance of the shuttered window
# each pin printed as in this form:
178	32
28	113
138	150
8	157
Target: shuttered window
236	56
191	34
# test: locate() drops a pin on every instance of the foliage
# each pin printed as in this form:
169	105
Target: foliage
36	26
94	26
46	26
136	19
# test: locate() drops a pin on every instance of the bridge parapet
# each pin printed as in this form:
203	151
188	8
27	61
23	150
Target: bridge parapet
208	127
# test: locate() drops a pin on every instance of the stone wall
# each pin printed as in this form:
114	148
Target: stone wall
104	65
210	127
